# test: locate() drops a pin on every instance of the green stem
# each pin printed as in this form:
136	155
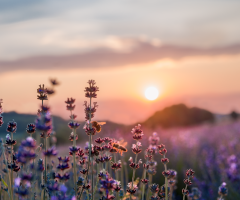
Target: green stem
184	194
89	147
150	183
11	168
166	184
143	190
133	177
45	170
9	178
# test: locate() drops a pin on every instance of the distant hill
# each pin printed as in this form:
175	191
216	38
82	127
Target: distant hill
173	116
177	116
60	126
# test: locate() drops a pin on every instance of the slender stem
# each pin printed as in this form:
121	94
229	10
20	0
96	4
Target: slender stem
90	145
90	148
122	178
133	177
184	194
150	183
166	184
74	160
45	170
12	168
3	150
143	190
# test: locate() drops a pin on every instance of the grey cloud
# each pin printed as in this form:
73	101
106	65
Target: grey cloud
142	53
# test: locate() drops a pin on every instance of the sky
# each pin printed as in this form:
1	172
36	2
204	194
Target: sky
189	50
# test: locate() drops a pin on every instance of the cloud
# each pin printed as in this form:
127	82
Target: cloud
138	52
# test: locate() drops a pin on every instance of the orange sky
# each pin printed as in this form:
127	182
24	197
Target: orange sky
205	81
189	50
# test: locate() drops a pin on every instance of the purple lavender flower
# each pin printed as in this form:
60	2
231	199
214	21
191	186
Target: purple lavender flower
73	125
12	127
90	92
31	128
50	152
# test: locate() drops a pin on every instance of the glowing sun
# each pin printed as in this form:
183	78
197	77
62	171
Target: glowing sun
151	93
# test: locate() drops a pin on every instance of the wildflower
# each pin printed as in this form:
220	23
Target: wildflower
9	141
83	171
90	131
14	167
166	173
107	158
137	132
173	173
185	192
222	190
73	125
107	183
1	120
163	151
90	92
50	152
132	188
54	82
49	91
165	161
154	188
117	165
163	191
26	178
136	149
12	127
63	177
31	128
80	181
63	166
189	173
29	143
195	194
42	93
71	137
40	165
90	111
73	150
161	146
107	140
144	181
117	186
153	140
187	182
25	155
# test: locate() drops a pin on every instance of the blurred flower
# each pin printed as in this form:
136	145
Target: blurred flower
50	152
31	128
90	92
73	125
222	190
42	93
54	82
12	127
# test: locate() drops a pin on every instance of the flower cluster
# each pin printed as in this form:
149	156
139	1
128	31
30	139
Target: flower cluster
90	92
42	93
1	111
187	181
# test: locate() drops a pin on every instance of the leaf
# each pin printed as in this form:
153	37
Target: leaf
4	183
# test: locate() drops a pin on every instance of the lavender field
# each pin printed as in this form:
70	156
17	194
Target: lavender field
196	162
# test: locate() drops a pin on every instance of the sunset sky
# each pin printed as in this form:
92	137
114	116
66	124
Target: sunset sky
188	50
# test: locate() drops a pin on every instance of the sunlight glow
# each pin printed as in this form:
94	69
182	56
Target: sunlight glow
151	93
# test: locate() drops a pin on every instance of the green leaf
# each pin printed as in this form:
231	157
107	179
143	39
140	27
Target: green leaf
4	183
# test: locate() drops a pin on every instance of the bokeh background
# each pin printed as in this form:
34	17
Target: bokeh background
188	50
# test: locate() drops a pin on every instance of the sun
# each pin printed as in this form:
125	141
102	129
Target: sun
151	93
